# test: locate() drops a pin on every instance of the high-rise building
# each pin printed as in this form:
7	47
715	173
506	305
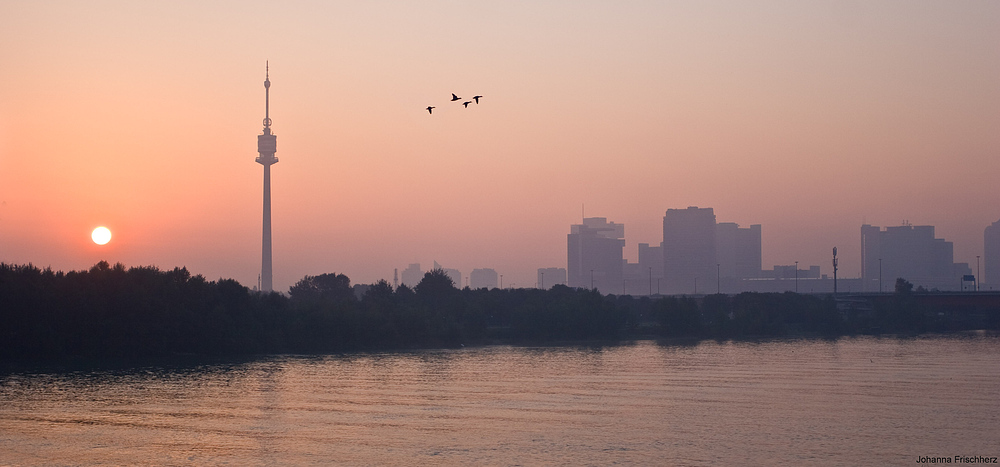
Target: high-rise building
909	252
266	147
738	250
594	255
548	277
991	257
651	257
454	274
689	250
485	278
649	272
871	260
411	276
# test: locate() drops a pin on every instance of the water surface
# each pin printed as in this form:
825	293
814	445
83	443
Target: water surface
853	401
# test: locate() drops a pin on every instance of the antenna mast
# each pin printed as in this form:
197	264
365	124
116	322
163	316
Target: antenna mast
835	262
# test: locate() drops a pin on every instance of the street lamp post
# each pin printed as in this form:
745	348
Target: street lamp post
977	273
796	277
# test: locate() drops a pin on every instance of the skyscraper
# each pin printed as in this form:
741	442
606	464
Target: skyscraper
738	250
871	260
484	278
412	275
649	272
594	255
266	147
689	250
991	256
909	252
454	274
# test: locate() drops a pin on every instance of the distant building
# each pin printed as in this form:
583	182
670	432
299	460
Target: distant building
991	257
689	250
548	277
791	272
650	271
909	252
700	255
594	255
738	250
412	275
810	284
483	279
454	274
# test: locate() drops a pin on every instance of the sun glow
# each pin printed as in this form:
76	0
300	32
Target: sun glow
101	235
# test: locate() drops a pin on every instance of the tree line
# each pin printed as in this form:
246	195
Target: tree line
111	311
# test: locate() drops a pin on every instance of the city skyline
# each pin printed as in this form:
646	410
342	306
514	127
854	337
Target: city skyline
809	119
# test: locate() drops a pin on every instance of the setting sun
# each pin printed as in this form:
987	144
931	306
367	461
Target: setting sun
101	235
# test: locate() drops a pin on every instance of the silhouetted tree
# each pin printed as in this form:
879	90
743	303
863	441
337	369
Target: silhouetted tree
404	293
379	292
435	287
329	287
114	311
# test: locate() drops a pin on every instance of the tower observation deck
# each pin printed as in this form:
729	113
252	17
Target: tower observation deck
266	147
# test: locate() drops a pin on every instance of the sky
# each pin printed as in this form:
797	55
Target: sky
810	118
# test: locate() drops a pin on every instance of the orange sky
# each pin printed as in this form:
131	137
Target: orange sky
808	117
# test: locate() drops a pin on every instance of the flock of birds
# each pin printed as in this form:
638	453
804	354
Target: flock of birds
430	108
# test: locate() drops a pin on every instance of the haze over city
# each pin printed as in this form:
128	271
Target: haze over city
808	118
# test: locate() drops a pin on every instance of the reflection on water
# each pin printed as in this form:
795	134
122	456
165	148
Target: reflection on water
850	401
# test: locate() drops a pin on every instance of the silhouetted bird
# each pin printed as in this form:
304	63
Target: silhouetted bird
429	109
476	98
466	104
455	98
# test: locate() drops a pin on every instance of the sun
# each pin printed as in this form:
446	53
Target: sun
101	235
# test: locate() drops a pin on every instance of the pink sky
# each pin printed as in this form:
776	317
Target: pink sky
807	117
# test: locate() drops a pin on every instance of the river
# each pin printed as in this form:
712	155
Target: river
850	401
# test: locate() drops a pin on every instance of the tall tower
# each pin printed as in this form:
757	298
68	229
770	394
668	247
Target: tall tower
266	147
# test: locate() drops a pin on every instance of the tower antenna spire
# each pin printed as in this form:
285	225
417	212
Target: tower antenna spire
267	98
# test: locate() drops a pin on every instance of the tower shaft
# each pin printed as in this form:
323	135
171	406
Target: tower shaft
265	256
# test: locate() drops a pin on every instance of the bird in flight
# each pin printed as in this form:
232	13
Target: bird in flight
430	109
475	98
466	104
455	98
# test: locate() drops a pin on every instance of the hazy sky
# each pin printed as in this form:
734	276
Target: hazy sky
808	117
